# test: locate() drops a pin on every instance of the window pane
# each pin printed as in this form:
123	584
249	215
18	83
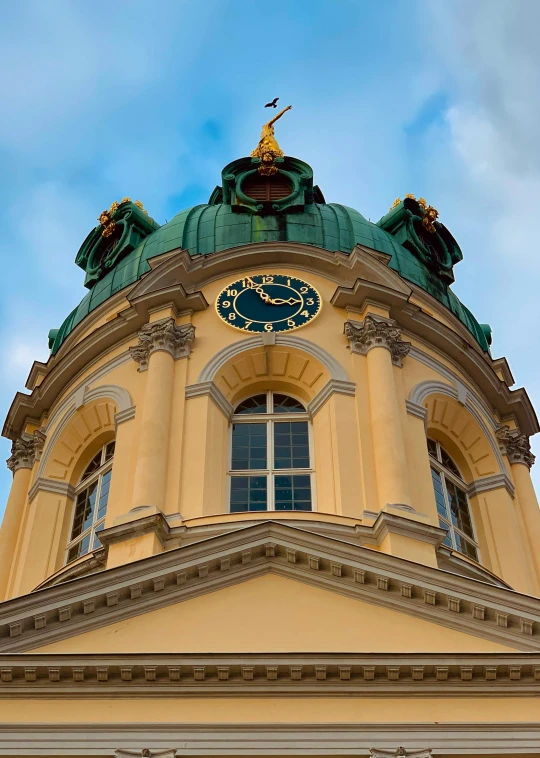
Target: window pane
94	464
291	445
256	404
85	544
109	451
449	463
432	448
104	494
439	494
447	540
248	447
293	493
73	552
84	510
286	404
470	550
248	493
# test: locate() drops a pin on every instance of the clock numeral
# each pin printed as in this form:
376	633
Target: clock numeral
267	279
226	304
310	301
247	324
232	293
290	322
232	316
288	282
268	328
303	290
305	313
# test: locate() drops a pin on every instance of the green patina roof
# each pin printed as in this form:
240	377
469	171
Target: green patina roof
209	228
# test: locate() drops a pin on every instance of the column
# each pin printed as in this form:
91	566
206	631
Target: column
517	447
21	461
160	344
379	339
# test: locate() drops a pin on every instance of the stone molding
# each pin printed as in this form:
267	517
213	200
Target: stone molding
333	386
126	415
64	489
493	482
460	739
203	389
163	335
133	675
516	446
191	570
335	369
155	522
25	451
400	751
373	332
414	409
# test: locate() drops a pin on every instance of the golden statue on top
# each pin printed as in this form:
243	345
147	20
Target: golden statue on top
268	149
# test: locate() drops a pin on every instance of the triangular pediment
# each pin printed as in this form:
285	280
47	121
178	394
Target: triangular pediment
276	614
348	587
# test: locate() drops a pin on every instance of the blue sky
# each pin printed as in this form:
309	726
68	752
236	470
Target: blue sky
151	100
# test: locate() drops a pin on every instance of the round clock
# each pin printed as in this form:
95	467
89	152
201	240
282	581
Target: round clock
268	303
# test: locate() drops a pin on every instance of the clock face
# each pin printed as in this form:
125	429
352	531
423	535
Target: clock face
268	303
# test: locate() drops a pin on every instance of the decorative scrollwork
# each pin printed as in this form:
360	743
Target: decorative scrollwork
163	335
25	451
374	332
515	445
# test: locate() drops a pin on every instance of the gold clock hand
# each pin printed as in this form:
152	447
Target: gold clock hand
265	297
280	301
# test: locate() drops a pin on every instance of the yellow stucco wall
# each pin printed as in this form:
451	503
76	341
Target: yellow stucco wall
271	613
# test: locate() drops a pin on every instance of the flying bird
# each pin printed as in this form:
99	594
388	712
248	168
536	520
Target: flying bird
273	104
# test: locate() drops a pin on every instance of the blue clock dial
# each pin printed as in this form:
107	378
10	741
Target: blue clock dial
268	303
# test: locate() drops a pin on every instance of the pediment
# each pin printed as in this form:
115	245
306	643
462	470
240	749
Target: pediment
412	592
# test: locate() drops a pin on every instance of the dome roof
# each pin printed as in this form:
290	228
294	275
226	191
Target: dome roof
231	219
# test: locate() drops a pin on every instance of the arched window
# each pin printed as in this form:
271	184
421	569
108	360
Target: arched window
452	502
270	466
92	494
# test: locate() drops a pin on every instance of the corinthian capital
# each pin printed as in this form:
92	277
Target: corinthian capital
163	335
374	332
515	445
25	451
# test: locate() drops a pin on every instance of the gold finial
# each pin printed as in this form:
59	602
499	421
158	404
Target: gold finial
422	202
430	216
125	200
268	149
396	202
141	206
410	196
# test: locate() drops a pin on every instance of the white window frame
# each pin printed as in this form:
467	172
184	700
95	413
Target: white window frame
270	419
445	473
98	475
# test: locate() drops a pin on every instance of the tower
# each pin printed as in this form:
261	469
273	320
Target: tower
271	494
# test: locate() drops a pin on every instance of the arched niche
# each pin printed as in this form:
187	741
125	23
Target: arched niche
466	438
77	440
284	368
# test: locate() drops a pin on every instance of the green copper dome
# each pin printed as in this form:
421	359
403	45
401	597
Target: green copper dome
292	210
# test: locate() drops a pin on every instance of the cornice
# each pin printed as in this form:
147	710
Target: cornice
493	482
132	675
208	565
333	386
361	738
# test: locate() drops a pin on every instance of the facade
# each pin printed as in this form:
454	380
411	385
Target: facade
271	494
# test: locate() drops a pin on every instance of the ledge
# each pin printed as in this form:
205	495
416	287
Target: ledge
270	675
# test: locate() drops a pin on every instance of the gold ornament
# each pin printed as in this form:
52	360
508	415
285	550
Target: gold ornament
268	149
410	196
396	202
